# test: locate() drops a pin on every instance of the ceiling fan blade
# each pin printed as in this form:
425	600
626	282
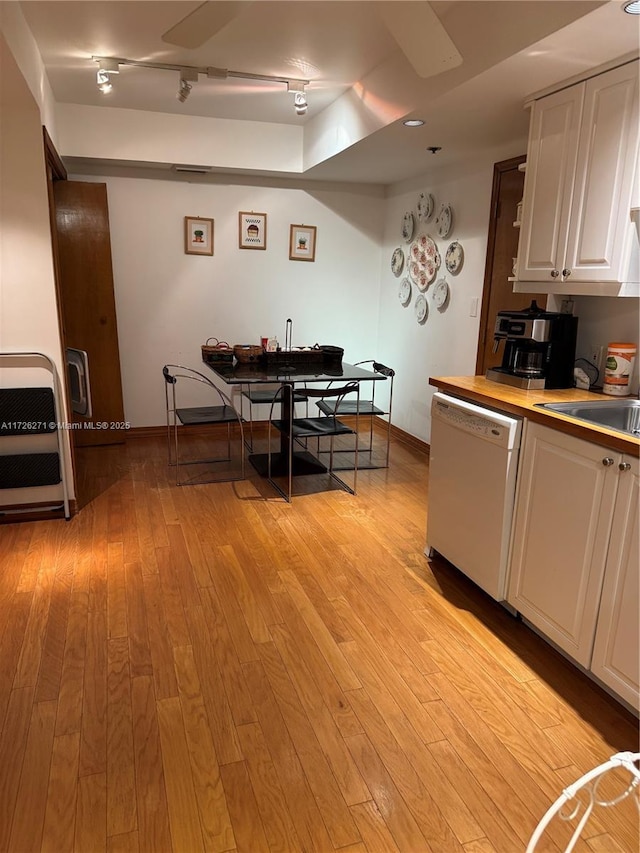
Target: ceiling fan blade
203	23
421	37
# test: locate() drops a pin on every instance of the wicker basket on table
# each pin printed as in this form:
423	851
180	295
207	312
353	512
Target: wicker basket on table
217	352
247	353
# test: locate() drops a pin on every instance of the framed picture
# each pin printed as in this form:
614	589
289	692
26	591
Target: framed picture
302	243
252	230
198	235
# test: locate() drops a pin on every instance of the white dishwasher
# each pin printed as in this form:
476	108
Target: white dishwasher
472	481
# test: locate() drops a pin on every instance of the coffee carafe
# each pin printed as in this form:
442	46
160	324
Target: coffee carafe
539	348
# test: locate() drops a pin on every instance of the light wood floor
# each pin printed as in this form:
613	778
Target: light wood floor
209	668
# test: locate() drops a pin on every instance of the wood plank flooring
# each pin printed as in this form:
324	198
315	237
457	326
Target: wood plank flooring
208	668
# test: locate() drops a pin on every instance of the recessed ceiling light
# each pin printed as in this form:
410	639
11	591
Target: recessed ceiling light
413	122
632	8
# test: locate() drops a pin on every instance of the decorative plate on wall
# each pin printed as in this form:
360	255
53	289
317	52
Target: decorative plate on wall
440	293
404	293
454	258
397	262
421	308
408	226
444	221
426	206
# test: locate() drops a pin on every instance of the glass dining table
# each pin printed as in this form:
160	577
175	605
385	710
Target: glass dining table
288	376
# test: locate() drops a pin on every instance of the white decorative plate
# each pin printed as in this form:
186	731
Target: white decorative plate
444	221
404	293
426	205
454	258
421	308
408	225
397	262
440	293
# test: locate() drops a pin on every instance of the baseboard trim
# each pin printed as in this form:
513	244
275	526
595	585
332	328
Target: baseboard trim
260	429
13	513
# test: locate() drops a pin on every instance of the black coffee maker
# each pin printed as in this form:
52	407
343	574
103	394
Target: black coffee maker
539	350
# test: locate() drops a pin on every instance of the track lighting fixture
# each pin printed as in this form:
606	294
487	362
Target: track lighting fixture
108	65
103	81
184	91
187	77
300	103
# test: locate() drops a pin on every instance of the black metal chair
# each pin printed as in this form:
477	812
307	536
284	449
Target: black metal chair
366	407
259	396
298	430
223	412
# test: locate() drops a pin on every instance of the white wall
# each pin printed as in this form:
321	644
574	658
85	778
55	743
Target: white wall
28	314
602	320
110	133
447	342
169	303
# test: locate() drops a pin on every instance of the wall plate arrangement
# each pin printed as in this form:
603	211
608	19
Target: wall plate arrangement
397	262
426	206
444	221
421	309
404	292
454	258
408	226
440	295
422	264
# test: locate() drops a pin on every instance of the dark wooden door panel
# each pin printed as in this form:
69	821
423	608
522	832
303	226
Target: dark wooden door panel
502	248
88	303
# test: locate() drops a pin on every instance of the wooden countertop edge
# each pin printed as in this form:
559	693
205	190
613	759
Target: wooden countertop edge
481	390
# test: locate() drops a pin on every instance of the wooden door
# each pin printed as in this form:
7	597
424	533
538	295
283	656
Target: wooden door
502	248
88	303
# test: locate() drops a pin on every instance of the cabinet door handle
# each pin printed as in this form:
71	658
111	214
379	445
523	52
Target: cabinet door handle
555	273
624	466
607	461
566	272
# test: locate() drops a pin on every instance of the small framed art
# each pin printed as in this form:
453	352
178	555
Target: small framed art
252	230
302	243
198	235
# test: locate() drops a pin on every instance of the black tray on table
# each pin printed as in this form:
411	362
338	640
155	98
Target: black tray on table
320	356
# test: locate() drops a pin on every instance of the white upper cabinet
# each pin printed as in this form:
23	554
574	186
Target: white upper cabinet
577	233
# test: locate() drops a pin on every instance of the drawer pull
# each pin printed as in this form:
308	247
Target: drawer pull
624	466
607	461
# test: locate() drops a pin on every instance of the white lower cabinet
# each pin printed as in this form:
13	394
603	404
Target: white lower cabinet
574	559
616	658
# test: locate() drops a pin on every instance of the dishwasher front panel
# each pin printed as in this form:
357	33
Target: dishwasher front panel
472	478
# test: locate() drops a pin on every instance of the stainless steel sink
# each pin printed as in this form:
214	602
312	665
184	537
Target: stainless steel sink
621	415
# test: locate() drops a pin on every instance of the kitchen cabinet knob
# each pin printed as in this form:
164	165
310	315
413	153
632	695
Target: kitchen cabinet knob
624	466
607	461
566	272
555	273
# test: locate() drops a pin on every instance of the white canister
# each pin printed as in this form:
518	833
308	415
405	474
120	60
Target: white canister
617	372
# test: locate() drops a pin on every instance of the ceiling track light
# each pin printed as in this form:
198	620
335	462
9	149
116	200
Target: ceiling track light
300	103
189	74
103	82
184	91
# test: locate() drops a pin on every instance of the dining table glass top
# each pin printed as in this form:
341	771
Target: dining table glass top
249	374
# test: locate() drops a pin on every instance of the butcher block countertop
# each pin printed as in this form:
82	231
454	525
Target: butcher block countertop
516	401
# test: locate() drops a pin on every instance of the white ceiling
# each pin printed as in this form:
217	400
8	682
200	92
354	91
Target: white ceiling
509	49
